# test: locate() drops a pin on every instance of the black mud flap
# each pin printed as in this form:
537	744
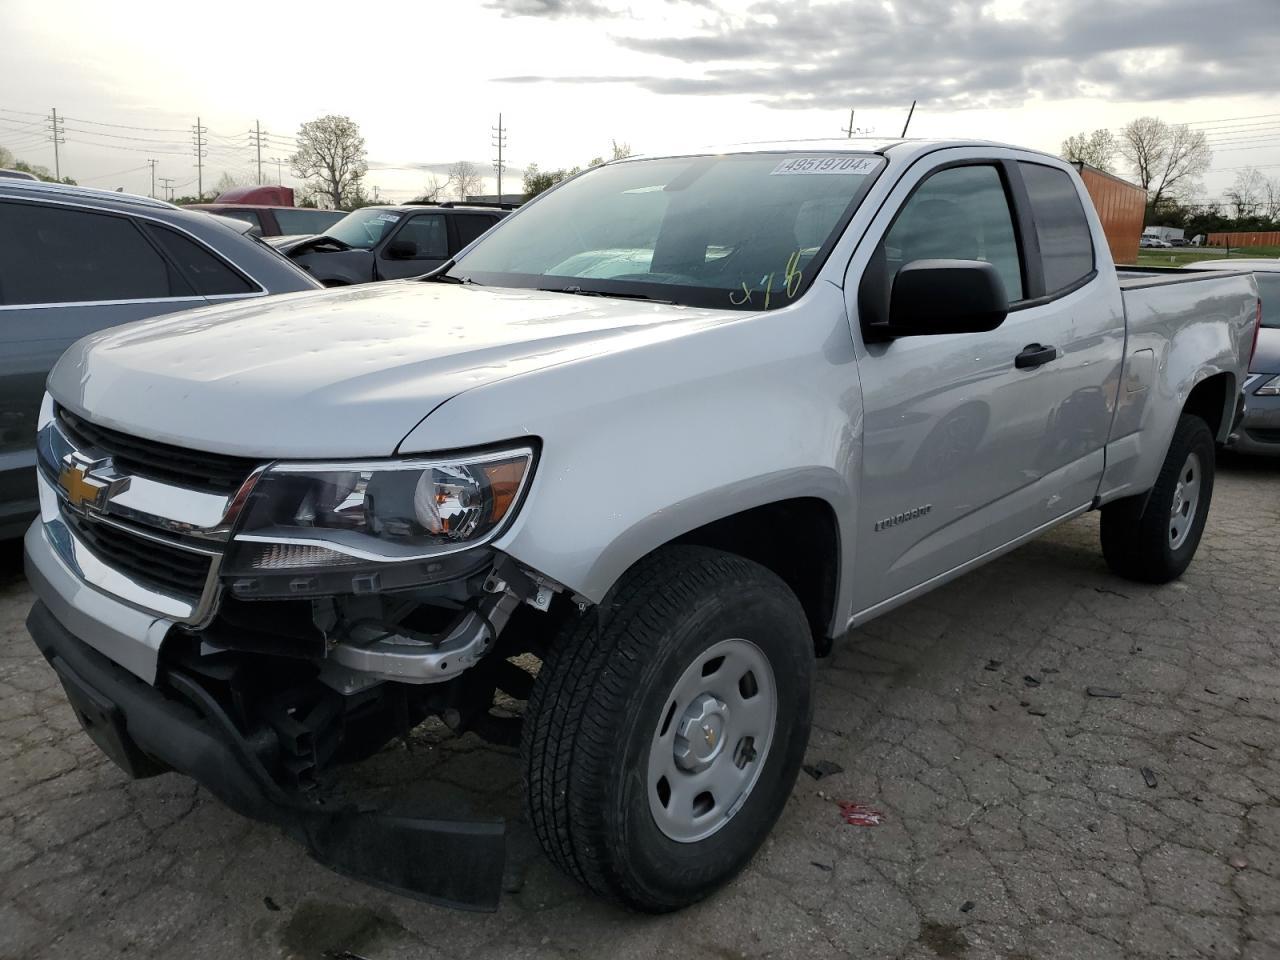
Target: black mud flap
452	863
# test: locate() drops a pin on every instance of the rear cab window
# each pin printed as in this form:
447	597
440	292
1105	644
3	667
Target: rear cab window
1062	228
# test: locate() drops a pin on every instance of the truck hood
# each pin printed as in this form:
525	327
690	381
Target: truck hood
339	373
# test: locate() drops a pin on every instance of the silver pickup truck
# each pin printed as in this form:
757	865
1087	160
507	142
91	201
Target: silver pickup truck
636	457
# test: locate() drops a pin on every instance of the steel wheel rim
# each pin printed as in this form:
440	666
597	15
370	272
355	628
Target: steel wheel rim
712	740
1186	501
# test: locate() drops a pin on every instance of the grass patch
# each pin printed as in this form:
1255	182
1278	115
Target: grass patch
1179	256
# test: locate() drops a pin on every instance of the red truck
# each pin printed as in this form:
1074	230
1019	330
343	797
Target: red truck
271	210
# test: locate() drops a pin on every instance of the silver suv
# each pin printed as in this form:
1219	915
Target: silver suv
74	261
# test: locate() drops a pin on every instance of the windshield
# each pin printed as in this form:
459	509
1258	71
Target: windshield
740	231
299	220
363	228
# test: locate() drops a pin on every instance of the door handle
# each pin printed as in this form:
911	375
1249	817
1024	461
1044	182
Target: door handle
1034	355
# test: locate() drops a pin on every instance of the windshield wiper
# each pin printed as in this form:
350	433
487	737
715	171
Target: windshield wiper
441	274
579	291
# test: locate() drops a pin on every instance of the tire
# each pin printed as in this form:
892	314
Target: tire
603	710
1141	538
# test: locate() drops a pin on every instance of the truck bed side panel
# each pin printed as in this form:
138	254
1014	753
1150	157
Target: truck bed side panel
1181	331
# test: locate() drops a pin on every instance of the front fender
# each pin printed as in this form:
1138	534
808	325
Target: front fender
642	444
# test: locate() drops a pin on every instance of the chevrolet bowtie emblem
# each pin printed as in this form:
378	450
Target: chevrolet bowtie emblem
80	488
83	490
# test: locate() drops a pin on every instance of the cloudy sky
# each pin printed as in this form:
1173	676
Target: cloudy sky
426	81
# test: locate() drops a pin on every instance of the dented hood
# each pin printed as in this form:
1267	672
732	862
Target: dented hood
339	373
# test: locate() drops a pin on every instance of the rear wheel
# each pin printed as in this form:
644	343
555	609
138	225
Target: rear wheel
662	740
1153	539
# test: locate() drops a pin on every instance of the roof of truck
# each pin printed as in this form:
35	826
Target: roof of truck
906	148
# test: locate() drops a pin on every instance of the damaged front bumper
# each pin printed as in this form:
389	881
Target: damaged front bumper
178	725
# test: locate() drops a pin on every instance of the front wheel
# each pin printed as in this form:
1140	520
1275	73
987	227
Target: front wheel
665	730
1153	539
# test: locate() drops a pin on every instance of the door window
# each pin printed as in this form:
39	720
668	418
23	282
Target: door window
960	213
471	226
209	275
1066	242
54	254
428	236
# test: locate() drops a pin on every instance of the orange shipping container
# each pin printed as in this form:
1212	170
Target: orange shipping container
1121	207
1255	239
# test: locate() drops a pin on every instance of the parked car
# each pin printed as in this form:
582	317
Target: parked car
1259	429
74	261
275	221
675	484
1153	242
390	242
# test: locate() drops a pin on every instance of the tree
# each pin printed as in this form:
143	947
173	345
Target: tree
1271	199
620	150
1097	149
228	181
434	189
464	179
40	172
6	157
1247	192
1166	158
536	181
331	153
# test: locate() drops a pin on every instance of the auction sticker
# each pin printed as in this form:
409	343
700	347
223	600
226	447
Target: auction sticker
387	217
798	166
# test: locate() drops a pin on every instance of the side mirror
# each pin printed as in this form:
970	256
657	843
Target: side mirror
401	250
944	296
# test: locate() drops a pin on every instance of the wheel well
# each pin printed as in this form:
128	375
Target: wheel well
796	539
1208	401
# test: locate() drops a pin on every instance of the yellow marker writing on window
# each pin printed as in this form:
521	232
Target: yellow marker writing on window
793	274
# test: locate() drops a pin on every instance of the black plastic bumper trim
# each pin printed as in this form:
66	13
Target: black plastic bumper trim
451	863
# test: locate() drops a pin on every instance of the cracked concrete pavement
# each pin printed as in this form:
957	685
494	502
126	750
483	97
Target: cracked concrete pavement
1018	820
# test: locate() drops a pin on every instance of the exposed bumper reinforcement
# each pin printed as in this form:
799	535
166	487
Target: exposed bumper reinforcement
145	730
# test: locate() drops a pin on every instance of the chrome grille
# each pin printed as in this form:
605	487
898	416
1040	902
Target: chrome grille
162	461
167	568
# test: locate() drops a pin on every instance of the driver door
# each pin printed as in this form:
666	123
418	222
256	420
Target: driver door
419	246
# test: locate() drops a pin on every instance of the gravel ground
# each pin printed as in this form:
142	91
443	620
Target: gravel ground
1022	816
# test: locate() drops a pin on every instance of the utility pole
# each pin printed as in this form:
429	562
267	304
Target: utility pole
166	184
849	129
499	134
153	178
198	143
256	134
910	114
279	176
55	131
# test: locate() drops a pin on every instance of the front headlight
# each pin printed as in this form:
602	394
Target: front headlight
1269	389
318	516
